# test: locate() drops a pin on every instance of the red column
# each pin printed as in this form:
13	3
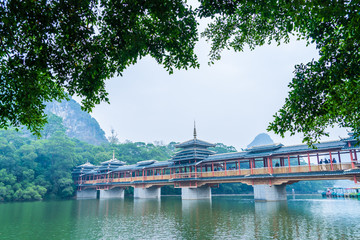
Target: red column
355	181
309	162
251	167
225	169
331	162
195	171
352	160
268	161
239	167
351	156
289	163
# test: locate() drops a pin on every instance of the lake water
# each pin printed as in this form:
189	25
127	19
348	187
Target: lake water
223	217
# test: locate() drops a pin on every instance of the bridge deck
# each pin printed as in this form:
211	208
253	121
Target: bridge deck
249	176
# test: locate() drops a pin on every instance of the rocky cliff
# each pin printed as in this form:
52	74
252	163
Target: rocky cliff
78	124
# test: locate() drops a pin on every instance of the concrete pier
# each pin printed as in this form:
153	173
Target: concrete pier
151	192
86	194
270	193
112	193
203	192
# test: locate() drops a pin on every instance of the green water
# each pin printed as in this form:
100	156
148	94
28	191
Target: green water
304	217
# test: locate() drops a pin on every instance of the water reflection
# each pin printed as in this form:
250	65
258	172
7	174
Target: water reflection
144	207
196	219
270	208
171	218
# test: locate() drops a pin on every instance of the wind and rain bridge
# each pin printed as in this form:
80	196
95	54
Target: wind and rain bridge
196	169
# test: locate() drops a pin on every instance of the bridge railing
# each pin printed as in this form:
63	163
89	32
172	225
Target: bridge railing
128	179
187	175
232	172
259	170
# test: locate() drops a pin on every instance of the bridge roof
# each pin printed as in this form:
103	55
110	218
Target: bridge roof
84	168
141	167
283	150
276	150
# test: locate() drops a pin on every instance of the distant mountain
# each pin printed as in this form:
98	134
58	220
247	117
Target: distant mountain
261	139
78	124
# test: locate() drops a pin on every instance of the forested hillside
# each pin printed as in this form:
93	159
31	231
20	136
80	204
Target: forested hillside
34	169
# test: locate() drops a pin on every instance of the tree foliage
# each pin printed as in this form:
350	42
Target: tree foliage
323	92
51	47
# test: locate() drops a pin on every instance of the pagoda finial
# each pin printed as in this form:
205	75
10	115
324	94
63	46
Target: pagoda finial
194	130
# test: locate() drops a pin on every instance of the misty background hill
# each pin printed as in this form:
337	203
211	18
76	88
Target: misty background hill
261	139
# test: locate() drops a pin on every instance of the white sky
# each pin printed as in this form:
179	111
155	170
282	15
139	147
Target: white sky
232	101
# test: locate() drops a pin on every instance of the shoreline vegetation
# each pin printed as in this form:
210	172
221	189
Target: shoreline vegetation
36	169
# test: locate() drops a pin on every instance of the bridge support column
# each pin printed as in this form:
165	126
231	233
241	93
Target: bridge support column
151	192
203	192
265	192
112	193
86	194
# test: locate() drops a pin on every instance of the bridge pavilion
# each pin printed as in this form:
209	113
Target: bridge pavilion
196	169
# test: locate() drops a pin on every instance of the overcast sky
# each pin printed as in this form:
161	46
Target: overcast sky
232	101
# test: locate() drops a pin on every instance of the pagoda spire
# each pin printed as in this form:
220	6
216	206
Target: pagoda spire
194	130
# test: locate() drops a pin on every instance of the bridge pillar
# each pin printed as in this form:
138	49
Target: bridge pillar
265	192
86	194
112	193
203	192
151	192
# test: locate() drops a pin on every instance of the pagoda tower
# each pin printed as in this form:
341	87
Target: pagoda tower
193	151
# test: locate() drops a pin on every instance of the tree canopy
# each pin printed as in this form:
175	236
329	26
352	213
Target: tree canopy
323	92
51	48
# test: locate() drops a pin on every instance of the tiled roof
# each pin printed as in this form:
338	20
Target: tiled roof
194	143
137	167
303	148
113	162
192	154
199	153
